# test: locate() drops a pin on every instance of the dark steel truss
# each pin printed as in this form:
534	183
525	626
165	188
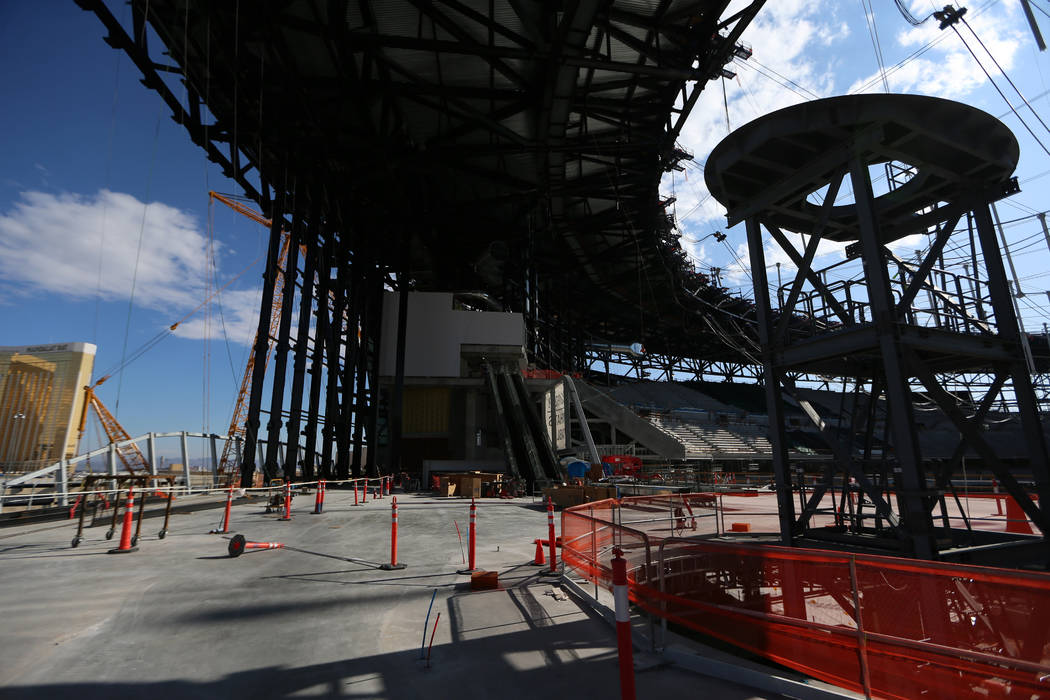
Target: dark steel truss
903	331
452	146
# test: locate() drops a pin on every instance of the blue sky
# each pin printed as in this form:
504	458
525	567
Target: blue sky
85	146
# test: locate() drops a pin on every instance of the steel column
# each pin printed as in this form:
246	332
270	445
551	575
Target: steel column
280	369
397	391
262	339
186	462
371	429
774	400
302	342
911	489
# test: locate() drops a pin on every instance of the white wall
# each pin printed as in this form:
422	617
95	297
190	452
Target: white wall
436	331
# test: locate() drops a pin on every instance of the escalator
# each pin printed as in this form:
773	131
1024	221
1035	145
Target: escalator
526	444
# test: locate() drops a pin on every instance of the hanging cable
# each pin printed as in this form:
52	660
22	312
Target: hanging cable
105	200
917	53
138	257
873	32
725	101
1005	75
906	13
1001	93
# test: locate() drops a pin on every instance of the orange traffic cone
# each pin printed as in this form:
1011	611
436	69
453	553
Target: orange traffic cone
539	559
238	544
125	533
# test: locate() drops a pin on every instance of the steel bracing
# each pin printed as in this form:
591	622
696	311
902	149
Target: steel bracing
903	331
493	146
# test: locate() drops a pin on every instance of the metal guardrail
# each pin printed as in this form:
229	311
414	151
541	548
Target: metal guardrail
885	626
57	492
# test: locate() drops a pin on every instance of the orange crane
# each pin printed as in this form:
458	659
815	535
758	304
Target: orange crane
227	464
129	454
240	411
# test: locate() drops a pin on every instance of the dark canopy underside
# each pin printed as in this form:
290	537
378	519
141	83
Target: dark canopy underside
507	146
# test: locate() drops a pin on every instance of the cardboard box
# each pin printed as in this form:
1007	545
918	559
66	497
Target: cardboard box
469	486
447	486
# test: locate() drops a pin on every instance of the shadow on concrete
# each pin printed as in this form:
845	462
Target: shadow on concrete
507	665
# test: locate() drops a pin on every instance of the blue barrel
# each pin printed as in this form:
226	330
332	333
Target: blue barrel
577	469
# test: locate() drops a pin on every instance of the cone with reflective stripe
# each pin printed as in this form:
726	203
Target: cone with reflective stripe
238	545
623	625
471	539
226	515
393	540
287	502
552	541
125	532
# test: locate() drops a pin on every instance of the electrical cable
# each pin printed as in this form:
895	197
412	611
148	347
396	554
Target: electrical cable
999	90
725	101
788	81
917	53
906	13
757	67
873	32
1005	75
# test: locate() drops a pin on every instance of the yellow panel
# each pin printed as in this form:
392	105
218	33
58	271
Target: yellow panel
426	409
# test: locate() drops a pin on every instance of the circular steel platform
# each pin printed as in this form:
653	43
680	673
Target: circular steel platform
770	166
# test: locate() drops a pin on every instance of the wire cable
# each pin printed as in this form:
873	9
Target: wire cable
1005	75
999	90
873	32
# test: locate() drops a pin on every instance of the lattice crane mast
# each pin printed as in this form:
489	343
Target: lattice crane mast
128	452
227	465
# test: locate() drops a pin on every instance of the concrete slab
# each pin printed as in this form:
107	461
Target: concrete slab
180	618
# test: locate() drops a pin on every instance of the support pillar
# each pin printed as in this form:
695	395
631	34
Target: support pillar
262	340
911	487
186	463
151	450
397	392
774	400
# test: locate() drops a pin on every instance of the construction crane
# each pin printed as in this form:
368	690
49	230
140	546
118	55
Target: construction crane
128	452
235	434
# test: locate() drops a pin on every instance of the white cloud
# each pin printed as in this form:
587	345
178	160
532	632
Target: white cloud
789	38
782	36
947	69
56	244
239	316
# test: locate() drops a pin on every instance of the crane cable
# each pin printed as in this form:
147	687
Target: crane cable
149	344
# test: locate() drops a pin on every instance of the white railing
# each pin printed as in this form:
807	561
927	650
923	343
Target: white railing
58	489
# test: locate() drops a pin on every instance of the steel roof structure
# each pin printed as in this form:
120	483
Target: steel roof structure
510	147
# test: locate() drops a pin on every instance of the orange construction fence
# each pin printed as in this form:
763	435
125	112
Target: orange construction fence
893	627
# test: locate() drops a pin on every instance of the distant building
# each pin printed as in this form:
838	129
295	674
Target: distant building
41	400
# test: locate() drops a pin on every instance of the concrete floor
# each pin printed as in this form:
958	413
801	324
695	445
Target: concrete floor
180	618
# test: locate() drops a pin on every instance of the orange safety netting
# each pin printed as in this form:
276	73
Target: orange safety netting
901	627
